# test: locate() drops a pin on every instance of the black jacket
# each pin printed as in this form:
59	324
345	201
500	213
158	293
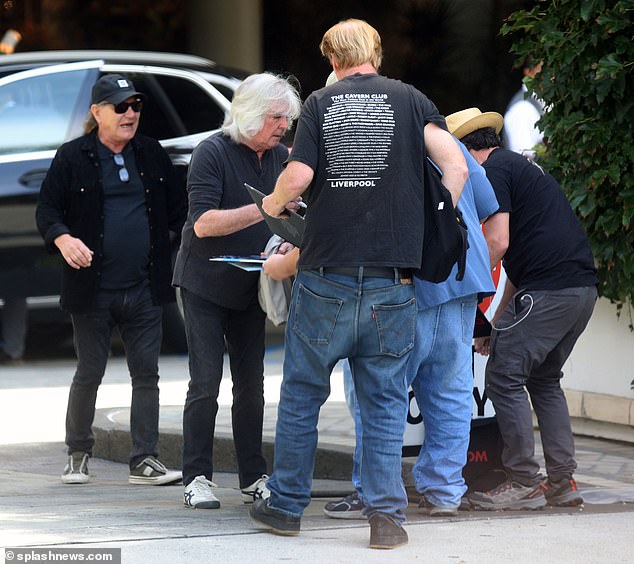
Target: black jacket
71	201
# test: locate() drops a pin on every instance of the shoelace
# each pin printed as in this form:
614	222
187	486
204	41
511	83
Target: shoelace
83	463
261	483
155	465
201	485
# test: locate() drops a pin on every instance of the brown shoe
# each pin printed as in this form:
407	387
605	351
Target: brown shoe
386	532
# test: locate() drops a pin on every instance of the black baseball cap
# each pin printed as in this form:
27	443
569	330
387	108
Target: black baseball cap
114	88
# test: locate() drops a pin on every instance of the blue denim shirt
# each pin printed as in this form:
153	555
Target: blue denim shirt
476	203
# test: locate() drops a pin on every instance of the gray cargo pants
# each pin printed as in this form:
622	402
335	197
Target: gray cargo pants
529	346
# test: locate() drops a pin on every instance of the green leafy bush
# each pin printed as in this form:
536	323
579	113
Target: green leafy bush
587	47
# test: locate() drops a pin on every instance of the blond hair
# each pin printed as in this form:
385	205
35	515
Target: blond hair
352	43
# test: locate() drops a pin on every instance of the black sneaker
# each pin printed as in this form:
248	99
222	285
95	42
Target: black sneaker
279	522
509	495
562	493
76	470
349	507
151	471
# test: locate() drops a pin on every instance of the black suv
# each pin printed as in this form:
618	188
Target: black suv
44	101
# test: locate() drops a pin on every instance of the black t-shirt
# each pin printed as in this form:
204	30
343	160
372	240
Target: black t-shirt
548	249
217	173
363	138
126	231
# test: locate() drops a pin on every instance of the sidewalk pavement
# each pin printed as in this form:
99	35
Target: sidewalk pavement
150	524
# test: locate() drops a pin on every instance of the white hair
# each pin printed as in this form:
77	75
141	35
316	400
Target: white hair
256	96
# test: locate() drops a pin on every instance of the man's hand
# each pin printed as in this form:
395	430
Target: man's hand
290	185
285	248
482	345
280	266
271	206
75	253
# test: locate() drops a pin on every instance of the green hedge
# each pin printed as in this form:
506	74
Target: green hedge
588	51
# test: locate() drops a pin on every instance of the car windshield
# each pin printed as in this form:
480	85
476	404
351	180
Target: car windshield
36	112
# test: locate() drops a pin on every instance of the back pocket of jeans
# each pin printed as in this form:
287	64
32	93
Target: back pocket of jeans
315	316
396	327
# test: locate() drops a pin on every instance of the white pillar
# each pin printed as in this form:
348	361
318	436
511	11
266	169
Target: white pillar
227	31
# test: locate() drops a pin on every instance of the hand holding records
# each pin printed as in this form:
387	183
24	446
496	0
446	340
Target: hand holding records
290	227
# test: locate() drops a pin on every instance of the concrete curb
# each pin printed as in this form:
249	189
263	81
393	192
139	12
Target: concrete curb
333	462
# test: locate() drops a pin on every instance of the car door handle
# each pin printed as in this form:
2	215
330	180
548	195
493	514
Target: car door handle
33	178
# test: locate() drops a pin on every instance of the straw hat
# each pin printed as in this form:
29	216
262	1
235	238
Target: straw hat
467	121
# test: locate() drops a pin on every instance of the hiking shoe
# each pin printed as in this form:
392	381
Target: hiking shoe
198	494
509	495
76	470
425	506
562	493
349	507
151	471
386	532
257	490
277	521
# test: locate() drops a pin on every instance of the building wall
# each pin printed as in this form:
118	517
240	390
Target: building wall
603	359
597	377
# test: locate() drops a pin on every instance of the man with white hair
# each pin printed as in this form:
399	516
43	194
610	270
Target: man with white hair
220	302
359	150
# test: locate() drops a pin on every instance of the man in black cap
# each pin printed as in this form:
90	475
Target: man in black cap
108	205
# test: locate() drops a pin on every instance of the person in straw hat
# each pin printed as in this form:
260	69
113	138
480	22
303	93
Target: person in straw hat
547	302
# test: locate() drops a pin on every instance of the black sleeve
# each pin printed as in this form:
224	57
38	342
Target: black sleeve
500	179
49	213
176	194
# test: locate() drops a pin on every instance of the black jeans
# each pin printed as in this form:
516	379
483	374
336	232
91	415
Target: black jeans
208	326
139	322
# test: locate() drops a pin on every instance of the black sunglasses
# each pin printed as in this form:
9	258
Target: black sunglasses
124	175
122	107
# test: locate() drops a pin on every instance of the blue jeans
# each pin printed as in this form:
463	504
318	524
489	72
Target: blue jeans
208	327
139	322
440	373
370	321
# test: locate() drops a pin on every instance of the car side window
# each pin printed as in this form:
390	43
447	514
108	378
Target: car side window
157	117
196	108
223	89
36	112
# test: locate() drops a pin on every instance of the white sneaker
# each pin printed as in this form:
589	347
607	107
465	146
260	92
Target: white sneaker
257	490
198	494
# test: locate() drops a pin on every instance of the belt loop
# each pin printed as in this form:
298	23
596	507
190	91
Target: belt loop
397	277
360	279
321	271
